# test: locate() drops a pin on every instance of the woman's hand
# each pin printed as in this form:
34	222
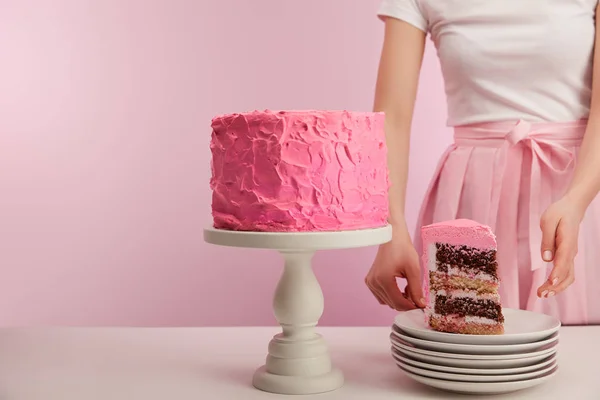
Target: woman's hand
560	233
394	259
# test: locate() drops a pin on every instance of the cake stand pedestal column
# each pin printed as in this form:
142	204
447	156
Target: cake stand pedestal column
298	360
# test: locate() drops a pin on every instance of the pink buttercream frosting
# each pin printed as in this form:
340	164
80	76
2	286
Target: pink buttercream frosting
299	171
459	232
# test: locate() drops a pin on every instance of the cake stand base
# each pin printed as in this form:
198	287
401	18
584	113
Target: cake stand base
282	384
298	360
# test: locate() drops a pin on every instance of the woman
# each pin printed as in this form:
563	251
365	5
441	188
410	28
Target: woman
524	100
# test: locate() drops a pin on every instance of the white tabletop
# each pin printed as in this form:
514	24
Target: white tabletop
218	363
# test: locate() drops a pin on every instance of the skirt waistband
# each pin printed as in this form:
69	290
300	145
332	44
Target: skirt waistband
497	134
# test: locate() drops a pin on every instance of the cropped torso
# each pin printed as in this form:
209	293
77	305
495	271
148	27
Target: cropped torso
509	59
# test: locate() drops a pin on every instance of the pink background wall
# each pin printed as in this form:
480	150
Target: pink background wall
105	109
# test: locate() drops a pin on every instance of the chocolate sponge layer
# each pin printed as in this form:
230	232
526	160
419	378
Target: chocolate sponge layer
467	258
466	306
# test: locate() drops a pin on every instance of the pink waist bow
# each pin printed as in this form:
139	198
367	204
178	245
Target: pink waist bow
550	145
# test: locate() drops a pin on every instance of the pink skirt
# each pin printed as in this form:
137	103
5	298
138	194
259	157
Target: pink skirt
505	175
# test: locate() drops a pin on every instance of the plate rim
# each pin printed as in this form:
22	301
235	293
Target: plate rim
464	347
515	338
473	385
486	357
459	363
539	372
489	371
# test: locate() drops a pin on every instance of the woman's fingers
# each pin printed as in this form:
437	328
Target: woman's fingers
413	288
378	295
394	295
406	292
562	284
381	294
562	274
381	279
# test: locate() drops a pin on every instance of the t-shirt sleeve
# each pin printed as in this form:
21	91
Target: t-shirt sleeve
405	10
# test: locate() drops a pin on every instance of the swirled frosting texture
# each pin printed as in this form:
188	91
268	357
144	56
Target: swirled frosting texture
292	171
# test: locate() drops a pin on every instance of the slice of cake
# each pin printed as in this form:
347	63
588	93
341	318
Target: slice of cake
293	171
462	282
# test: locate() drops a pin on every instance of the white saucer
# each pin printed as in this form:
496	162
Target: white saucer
459	363
433	358
475	348
475	378
546	350
520	326
481	387
473	371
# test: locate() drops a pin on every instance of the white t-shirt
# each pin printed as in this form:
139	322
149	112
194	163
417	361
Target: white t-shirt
509	59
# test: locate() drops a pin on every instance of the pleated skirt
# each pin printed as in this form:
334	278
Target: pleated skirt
505	175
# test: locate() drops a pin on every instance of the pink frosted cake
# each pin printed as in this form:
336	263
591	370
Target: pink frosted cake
292	171
462	283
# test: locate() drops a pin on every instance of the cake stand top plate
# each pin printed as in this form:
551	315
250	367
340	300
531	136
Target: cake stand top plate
299	240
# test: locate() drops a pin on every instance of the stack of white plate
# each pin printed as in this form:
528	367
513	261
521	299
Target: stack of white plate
523	357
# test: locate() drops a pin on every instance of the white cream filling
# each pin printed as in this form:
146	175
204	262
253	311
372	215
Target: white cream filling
480	320
471	294
431	257
467	319
454	271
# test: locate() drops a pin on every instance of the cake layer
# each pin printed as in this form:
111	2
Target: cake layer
441	281
468	306
471	259
494	296
299	171
465	325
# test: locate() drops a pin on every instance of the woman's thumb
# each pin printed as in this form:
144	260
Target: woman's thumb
413	276
548	226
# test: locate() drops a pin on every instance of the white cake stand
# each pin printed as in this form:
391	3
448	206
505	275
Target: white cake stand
298	360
